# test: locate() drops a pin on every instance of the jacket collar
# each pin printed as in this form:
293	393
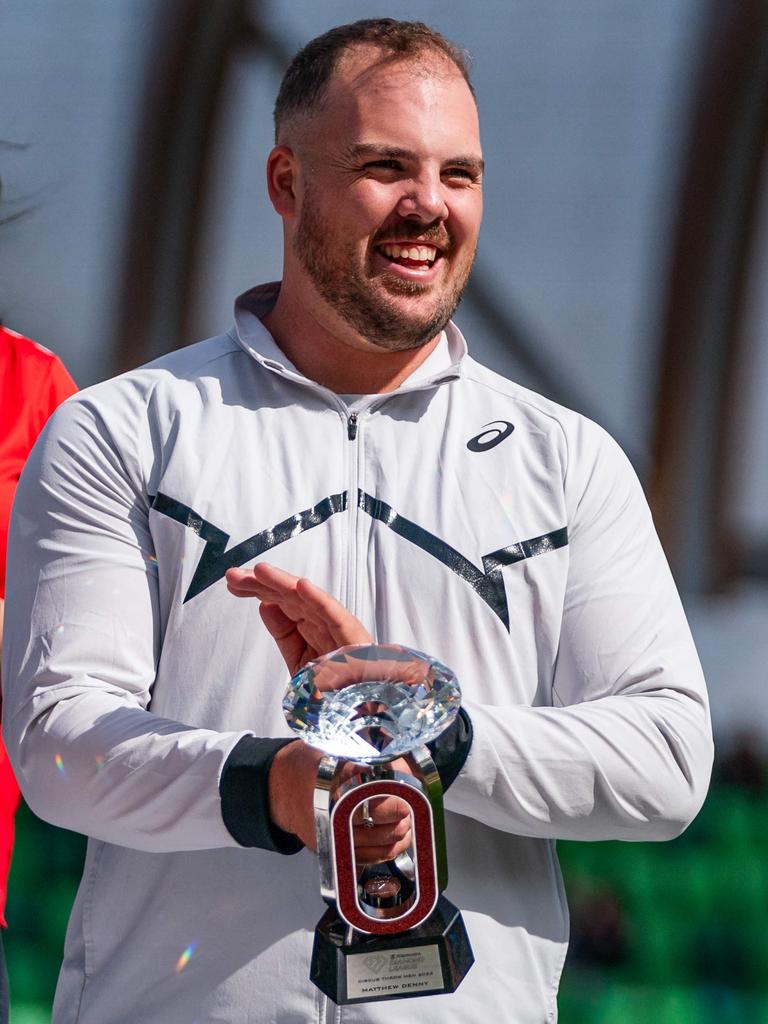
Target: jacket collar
443	364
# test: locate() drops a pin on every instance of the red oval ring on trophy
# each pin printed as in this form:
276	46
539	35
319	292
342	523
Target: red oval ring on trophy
345	868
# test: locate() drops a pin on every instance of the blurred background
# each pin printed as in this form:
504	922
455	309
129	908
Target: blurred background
623	271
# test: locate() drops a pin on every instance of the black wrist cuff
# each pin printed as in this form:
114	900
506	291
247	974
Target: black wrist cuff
451	748
245	796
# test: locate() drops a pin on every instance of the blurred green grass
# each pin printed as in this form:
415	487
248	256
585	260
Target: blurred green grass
45	872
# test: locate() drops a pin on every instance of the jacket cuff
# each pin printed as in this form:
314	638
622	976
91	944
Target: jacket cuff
451	748
245	796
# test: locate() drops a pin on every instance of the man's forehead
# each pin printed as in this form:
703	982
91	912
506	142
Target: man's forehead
370	81
364	63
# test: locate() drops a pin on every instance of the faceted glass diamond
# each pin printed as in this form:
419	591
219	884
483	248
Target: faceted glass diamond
371	702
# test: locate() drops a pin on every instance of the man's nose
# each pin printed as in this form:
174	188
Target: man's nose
423	200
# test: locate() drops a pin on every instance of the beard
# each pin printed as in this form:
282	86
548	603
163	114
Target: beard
362	299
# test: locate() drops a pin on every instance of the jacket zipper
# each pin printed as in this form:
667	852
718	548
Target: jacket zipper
353	477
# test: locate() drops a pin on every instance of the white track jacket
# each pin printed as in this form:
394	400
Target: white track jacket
461	515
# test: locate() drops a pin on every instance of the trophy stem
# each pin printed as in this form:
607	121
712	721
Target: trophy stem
326	773
434	790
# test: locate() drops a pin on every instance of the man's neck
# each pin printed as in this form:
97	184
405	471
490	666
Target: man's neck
338	360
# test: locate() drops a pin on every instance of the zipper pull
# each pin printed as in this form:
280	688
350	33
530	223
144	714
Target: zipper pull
352	426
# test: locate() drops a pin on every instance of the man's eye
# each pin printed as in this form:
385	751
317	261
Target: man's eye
387	165
460	172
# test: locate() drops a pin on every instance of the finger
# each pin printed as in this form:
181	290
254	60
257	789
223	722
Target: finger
331	623
312	627
291	644
320	612
315	637
381	835
335	675
241	582
262	579
405	764
277	580
277	622
314	603
381	854
292	612
342	625
308	618
297	609
385	810
298	640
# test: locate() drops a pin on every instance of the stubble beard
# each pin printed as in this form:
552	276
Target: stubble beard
356	298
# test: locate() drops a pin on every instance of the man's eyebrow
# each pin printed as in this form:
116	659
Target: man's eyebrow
362	149
475	163
368	149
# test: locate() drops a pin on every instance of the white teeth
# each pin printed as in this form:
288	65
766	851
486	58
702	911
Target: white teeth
423	253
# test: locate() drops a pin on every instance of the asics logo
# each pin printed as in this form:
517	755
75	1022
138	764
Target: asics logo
493	433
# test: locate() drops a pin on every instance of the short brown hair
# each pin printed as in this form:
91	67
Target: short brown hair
308	74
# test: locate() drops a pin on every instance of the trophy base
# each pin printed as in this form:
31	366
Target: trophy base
424	961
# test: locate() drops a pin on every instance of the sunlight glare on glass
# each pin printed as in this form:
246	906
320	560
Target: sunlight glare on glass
372	702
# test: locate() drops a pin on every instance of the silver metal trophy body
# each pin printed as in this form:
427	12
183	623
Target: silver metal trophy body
388	932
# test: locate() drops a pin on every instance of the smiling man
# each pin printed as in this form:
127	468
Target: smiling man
340	457
381	214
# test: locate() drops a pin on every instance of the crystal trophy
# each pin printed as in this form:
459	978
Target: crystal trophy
388	933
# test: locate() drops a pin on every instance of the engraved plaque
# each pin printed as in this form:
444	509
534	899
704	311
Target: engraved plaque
411	970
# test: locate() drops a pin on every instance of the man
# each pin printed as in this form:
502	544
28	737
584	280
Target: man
341	433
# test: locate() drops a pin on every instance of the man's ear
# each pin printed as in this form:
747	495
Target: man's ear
281	180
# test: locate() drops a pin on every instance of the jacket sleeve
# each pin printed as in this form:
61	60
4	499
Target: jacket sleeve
625	749
82	641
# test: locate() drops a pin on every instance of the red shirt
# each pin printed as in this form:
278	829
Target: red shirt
33	381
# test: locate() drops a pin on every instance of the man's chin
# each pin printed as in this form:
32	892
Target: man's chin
402	330
393	285
411	301
400	342
401	319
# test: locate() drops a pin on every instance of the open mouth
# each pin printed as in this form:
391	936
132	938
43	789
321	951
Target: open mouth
416	256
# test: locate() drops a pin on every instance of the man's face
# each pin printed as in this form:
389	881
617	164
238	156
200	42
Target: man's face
390	197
